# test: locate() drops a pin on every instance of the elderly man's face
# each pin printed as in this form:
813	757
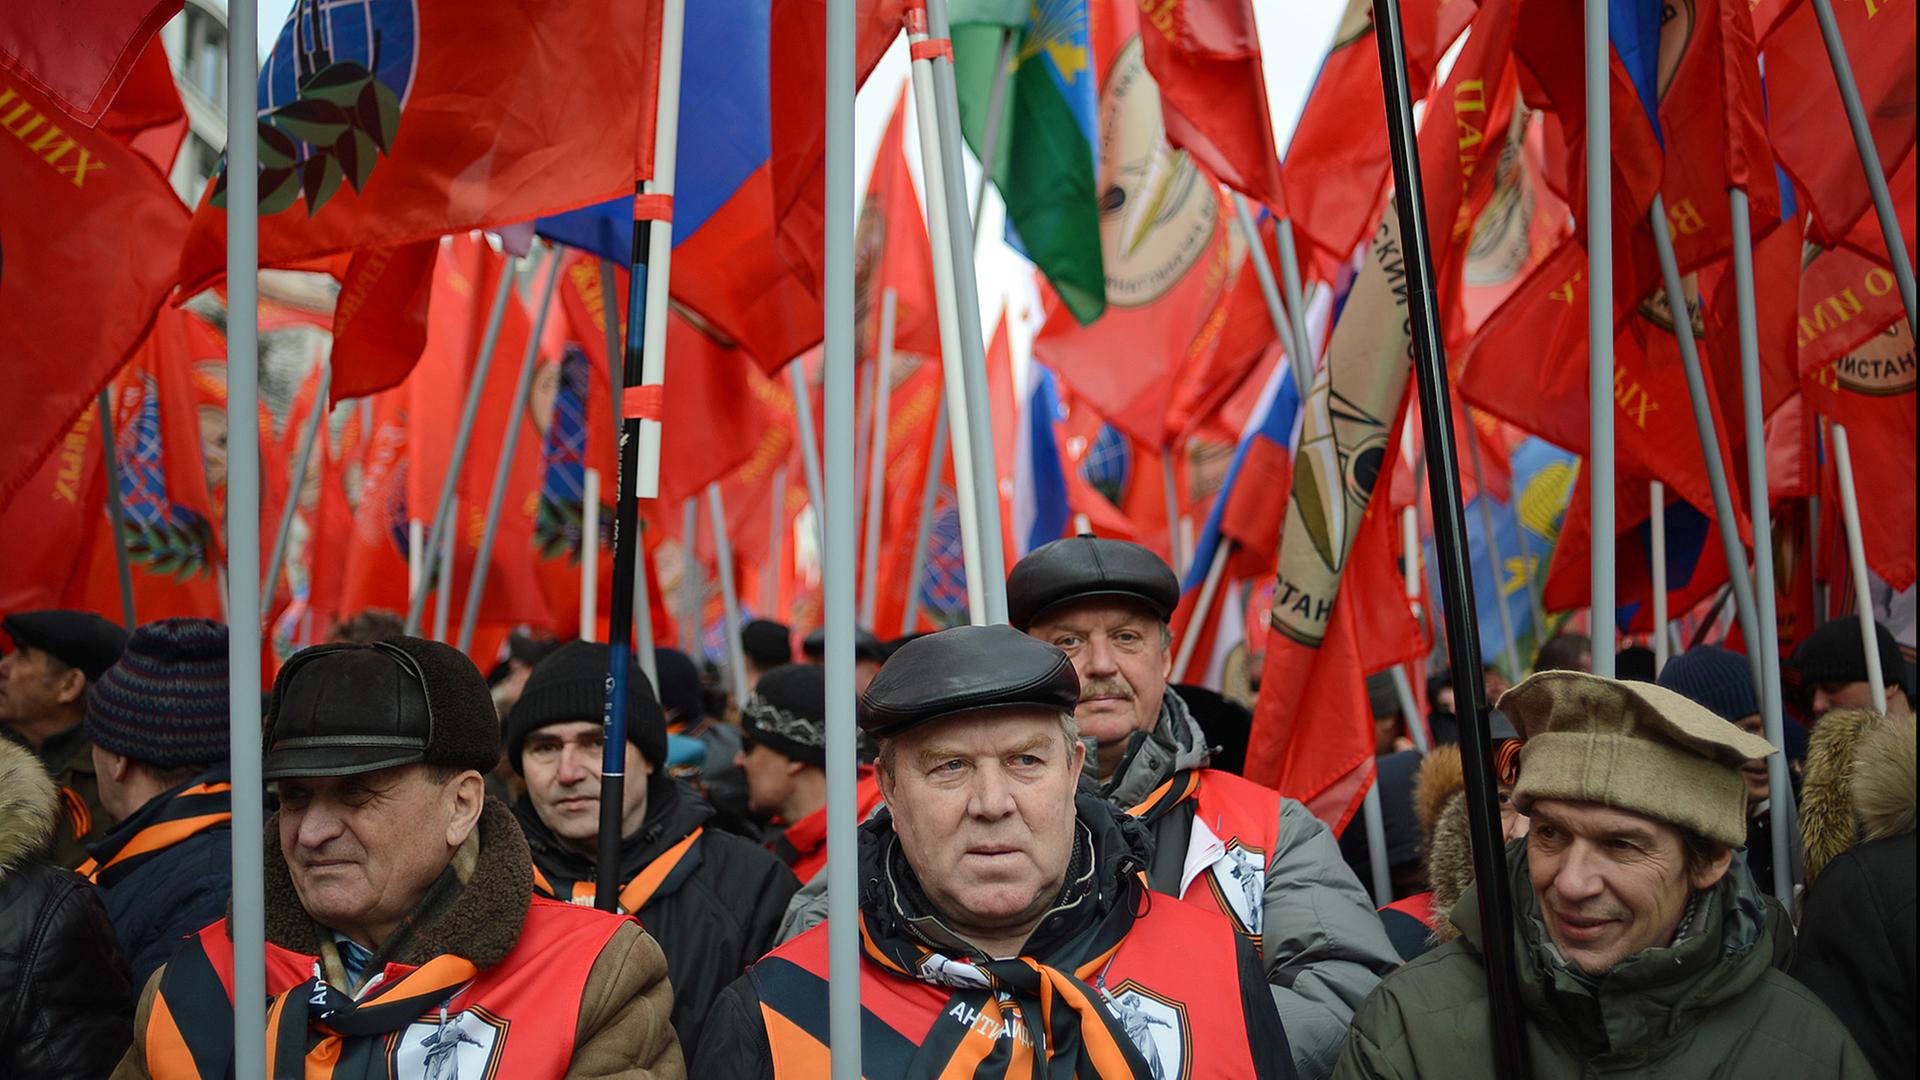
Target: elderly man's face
1611	884
363	849
983	805
1120	652
34	685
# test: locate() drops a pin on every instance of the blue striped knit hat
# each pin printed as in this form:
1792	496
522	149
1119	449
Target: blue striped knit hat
164	703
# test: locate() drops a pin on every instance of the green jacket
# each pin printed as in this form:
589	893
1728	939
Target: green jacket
1709	1005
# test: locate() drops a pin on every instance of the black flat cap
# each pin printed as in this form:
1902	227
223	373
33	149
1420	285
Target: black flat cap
78	639
339	710
1083	567
865	646
962	670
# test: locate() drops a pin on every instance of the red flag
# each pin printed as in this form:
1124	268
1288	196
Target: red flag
890	251
147	114
333	523
1696	567
910	424
80	281
74	54
376	562
380	318
1205	57
1230	345
384	125
1870	389
50	522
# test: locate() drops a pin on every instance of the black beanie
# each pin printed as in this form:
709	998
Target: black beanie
164	702
787	711
682	692
570	685
1835	654
767	643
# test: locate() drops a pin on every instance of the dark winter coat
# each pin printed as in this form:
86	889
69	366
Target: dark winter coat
66	1003
717	912
159	899
1709	1005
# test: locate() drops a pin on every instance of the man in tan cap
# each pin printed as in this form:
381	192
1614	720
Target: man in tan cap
1638	951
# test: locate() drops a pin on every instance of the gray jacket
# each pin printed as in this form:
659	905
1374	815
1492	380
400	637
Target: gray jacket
1322	943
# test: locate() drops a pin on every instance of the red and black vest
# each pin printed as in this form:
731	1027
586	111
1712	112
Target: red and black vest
803	847
1236	828
515	1019
1173	983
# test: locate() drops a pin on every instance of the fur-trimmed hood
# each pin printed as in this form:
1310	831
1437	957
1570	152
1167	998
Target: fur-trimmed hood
1843	742
1883	780
29	806
475	909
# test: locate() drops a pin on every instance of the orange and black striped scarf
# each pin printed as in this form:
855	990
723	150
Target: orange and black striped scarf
318	1032
166	820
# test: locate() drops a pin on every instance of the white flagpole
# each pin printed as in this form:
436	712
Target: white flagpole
589	552
809	450
416	553
1600	462
1857	565
989	143
1292	335
642	599
1169	486
1296	299
1657	499
877	461
1202	609
692	587
729	595
440	555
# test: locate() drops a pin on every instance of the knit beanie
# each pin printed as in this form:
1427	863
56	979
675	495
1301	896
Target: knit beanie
787	711
1718	678
682	692
570	685
1835	654
164	702
767	643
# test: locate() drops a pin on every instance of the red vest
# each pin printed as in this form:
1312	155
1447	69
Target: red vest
1236	827
533	993
1175	974
804	845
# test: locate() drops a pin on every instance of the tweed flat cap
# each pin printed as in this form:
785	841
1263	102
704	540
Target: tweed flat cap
78	639
1633	746
1085	567
966	669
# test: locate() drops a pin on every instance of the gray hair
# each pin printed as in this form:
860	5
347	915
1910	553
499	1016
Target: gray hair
883	759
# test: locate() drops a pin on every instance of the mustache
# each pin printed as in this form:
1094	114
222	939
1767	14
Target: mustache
1106	687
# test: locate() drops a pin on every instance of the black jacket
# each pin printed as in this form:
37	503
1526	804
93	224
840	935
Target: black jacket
1856	948
717	912
66	1004
160	897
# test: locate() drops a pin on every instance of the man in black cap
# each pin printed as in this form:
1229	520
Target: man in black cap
403	935
1830	669
783	729
868	654
56	656
1220	841
1004	927
712	899
711	766
766	645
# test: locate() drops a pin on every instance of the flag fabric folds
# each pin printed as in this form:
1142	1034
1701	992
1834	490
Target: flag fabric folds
75	54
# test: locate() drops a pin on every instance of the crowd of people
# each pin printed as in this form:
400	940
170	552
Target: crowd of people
1059	873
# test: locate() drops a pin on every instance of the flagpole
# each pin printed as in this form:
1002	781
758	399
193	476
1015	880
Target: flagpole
960	429
1600	459
990	137
776	544
116	513
693	587
923	532
1869	156
642	600
1729	530
1779	791
589	552
864	373
1498	565
440	555
1296	298
839	555
416	553
469	412
729	595
1450	546
248	921
1375	825
1202	607
643	371
503	470
877	460
1170	489
809	449
1410	709
986	483
1657	501
1857	565
301	458
1291	336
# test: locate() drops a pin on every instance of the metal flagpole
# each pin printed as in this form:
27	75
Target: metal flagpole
441	557
923	532
1294	337
839	555
996	107
776	543
693	586
1296	299
416	553
1450	546
864	374
1497	565
642	602
809	449
643	370
301	458
248	922
986	482
589	552
960	429
877	461
729	595
1600	462
503	471
1376	828
1869	155
1857	565
642	606
1727	527
1779	790
1657	500
1202	608
1170	488
476	387
1410	709
116	513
